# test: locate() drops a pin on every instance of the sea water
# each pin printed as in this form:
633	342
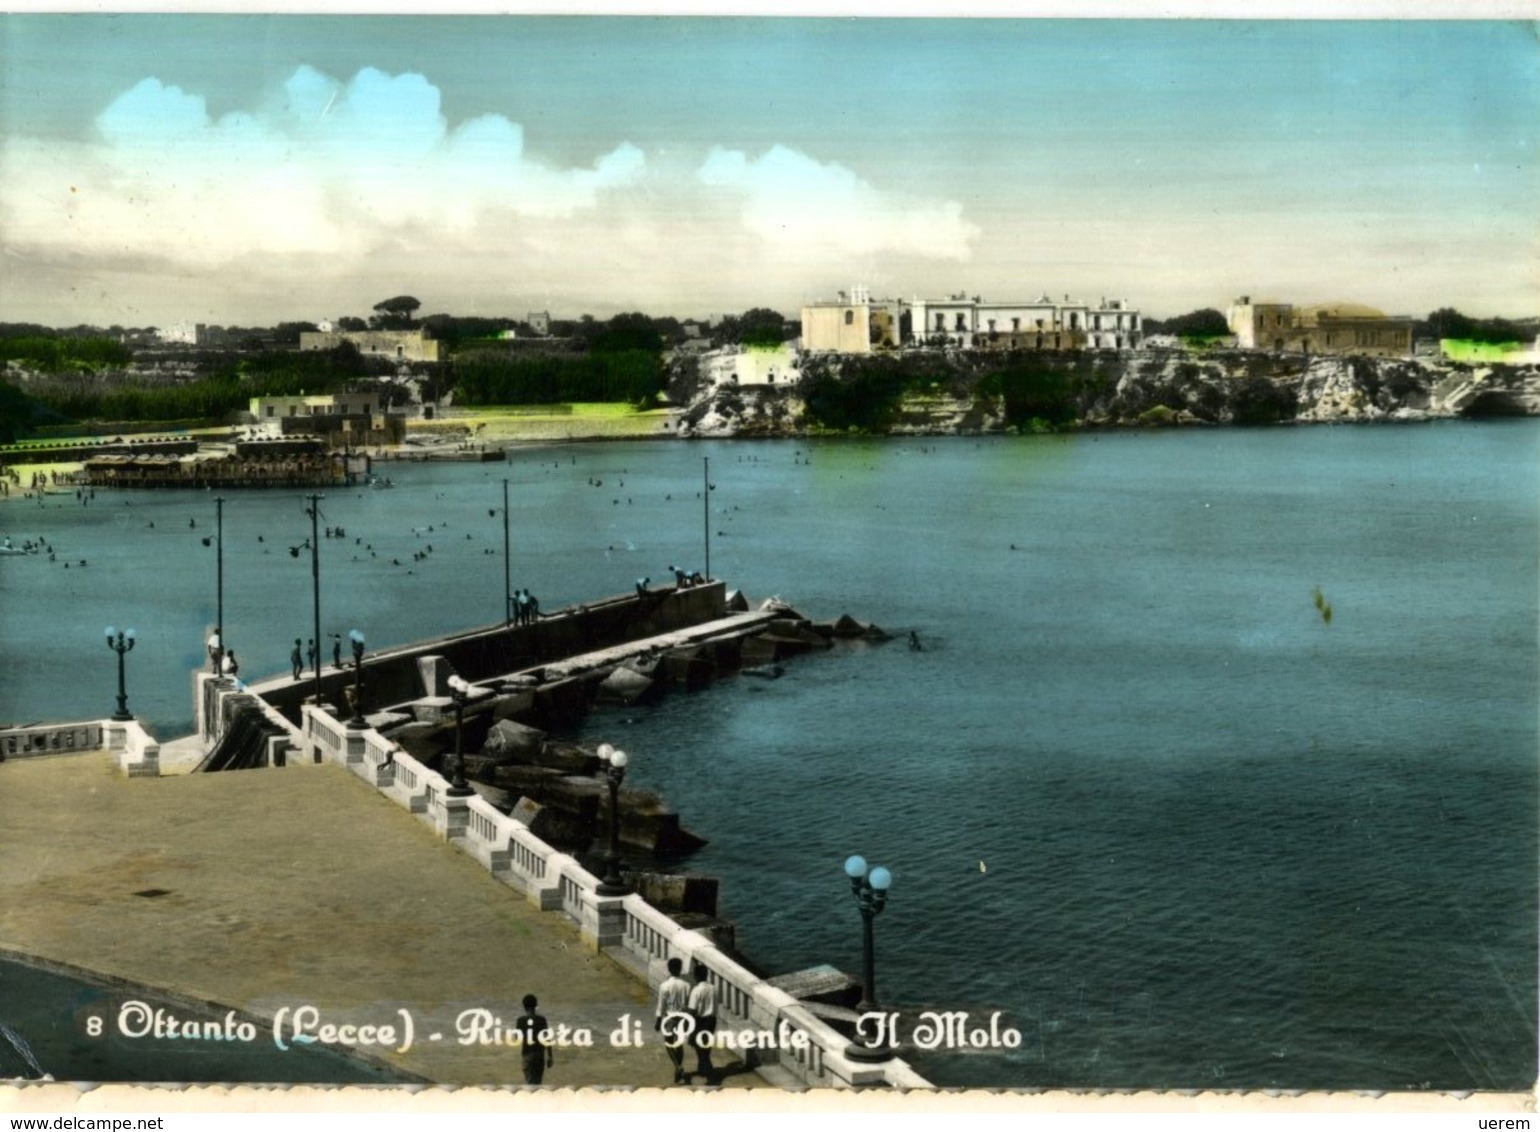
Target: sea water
1138	791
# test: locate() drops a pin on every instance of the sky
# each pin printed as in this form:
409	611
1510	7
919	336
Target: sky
249	169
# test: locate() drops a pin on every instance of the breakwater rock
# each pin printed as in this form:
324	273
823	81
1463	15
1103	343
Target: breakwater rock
971	392
559	788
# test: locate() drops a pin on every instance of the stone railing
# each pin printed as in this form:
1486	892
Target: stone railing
218	699
50	739
804	1046
135	749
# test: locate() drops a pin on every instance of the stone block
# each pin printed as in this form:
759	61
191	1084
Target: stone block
758	650
678	892
558	828
434	672
819	984
515	705
689	668
625	685
433	709
568	758
795	636
510	742
528	781
848	626
722	933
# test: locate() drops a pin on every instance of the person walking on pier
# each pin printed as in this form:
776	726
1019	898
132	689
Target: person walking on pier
703	1008
294	659
213	647
336	650
310	653
673	1004
535	1054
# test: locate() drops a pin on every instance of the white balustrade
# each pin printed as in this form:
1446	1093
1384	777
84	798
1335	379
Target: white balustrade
555	881
53	739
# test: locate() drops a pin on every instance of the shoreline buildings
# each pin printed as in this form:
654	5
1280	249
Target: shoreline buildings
402	345
856	323
1326	328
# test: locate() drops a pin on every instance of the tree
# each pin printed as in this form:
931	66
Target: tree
1205	323
394	313
287	333
758	326
1446	322
16	411
633	331
350	324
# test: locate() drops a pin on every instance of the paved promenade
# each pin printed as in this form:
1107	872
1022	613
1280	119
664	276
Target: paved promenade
281	888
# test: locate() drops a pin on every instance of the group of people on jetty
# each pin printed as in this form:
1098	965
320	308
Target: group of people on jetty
523	608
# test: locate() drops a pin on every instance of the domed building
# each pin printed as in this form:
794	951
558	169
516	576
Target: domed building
1325	328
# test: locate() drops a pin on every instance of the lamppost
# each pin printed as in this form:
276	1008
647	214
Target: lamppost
870	888
314	511
217	648
460	690
356	639
219	582
507	583
121	643
614	761
705	495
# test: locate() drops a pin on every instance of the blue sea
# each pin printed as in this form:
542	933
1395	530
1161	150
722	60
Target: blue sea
1139	793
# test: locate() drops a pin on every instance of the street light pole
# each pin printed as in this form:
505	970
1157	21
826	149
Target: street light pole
507	583
614	761
219	582
356	639
121	643
870	890
315	579
460	690
705	495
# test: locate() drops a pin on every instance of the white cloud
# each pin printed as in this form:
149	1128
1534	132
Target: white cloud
330	167
331	183
789	196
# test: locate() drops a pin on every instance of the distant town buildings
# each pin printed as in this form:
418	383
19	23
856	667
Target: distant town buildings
321	405
776	365
1328	328
403	345
340	419
858	324
852	324
181	334
539	323
1041	324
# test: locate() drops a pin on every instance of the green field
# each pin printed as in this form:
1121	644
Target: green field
580	420
1464	350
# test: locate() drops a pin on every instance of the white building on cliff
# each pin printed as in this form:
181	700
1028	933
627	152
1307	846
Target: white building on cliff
858	324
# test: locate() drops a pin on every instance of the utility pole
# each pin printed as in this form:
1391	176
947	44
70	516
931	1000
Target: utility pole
315	579
219	583
507	583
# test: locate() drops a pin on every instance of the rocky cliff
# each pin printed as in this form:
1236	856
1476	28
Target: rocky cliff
936	392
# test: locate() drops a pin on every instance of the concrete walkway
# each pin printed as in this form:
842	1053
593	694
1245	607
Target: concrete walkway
264	889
